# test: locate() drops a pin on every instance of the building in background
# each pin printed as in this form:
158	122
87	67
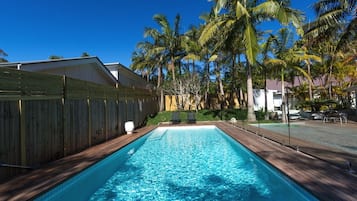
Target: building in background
89	69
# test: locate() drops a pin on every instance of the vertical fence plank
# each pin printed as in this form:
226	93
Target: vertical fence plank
112	119
97	121
122	115
10	146
43	128
76	131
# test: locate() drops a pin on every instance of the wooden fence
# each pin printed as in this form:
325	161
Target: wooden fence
46	117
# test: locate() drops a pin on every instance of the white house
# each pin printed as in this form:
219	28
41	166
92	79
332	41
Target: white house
274	97
353	93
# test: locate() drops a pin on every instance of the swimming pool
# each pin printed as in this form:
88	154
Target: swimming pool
182	163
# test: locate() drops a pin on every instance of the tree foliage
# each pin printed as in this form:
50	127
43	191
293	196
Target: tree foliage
229	54
2	55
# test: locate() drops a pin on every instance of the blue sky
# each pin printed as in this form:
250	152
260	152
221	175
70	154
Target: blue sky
109	29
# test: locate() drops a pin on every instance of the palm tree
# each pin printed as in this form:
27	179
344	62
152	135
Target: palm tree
335	26
333	16
170	38
239	19
153	56
266	48
143	62
288	57
2	55
193	50
212	58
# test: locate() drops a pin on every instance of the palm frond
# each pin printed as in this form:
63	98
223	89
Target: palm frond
251	44
274	63
209	30
241	10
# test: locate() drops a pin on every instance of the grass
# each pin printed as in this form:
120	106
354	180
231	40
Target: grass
206	115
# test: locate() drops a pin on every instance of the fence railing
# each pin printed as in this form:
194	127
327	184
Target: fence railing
46	117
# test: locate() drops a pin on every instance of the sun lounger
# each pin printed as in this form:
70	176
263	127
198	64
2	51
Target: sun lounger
175	118
191	118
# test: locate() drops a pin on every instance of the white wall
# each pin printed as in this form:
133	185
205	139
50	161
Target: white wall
259	99
115	73
277	101
87	72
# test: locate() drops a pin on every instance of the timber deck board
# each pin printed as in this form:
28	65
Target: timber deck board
325	181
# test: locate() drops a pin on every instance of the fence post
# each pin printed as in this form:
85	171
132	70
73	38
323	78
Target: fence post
105	119
89	123
22	132
64	118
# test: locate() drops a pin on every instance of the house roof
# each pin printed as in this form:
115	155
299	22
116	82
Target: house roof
127	77
299	80
46	65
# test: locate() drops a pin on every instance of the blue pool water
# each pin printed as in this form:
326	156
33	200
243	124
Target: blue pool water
185	163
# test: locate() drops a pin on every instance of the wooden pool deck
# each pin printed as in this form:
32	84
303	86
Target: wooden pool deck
326	181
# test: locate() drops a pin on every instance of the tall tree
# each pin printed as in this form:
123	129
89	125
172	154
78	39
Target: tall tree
333	17
289	59
2	55
85	54
266	50
155	56
239	18
335	26
193	50
144	63
171	40
54	57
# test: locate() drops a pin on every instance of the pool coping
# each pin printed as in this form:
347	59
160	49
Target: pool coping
332	182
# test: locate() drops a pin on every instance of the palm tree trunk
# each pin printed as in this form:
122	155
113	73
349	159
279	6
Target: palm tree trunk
265	95
221	96
220	83
193	67
242	100
251	115
283	106
159	75
330	82
173	68
310	81
162	100
207	86
233	82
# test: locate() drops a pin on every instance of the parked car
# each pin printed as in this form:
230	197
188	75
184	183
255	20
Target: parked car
317	116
